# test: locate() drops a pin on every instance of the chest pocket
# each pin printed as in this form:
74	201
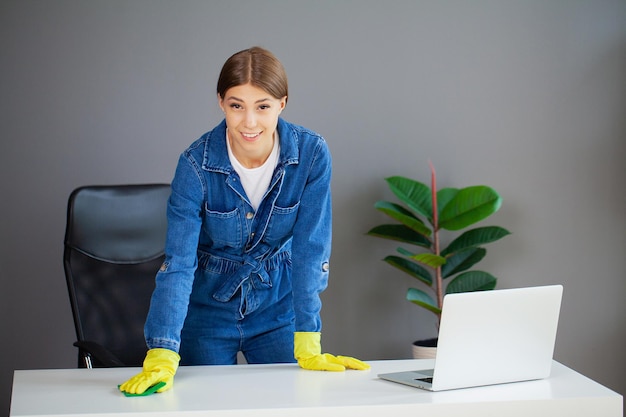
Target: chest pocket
223	228
281	223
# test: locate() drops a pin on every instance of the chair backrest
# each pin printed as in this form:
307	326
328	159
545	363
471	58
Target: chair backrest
114	245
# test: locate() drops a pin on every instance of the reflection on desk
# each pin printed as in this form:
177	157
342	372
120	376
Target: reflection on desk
286	390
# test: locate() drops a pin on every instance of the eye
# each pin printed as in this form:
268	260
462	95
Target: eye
235	106
264	106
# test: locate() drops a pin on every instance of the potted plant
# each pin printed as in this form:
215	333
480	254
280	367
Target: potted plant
441	268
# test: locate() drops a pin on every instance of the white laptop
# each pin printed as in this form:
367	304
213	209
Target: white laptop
491	337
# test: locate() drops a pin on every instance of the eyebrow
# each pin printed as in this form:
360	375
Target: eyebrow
256	102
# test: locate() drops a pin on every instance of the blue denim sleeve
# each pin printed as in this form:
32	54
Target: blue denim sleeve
311	244
174	280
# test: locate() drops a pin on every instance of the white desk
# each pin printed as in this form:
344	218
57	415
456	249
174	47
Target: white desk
286	390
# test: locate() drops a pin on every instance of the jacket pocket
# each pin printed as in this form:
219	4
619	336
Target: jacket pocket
223	228
281	223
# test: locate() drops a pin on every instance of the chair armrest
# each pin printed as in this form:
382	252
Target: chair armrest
99	353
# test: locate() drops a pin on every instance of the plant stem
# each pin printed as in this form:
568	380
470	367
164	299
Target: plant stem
438	277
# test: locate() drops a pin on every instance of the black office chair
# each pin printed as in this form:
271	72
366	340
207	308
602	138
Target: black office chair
114	245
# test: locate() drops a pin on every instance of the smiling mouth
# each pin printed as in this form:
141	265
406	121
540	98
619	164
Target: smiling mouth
251	136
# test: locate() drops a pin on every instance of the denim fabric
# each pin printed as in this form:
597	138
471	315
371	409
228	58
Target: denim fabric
238	279
263	335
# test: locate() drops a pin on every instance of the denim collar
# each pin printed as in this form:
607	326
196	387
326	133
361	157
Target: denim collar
215	156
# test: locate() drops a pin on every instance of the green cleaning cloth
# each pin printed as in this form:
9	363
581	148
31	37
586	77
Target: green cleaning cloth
149	391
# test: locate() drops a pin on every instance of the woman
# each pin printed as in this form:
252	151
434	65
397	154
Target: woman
248	241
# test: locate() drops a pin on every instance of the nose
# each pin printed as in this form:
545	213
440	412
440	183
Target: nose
250	119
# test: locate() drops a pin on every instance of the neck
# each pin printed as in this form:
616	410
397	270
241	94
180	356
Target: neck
251	158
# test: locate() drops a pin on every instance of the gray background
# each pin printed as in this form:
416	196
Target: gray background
526	96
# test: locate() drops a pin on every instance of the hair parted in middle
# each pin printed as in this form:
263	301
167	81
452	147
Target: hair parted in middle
255	66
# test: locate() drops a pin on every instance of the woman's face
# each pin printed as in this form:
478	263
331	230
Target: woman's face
251	118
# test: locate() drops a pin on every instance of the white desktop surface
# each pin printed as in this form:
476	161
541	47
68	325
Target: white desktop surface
286	390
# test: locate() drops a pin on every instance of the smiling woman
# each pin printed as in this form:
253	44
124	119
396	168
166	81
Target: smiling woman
249	238
251	117
252	91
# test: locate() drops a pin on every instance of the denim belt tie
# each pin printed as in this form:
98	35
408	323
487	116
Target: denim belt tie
249	276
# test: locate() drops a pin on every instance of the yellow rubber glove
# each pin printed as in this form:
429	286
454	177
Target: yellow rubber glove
308	353
160	365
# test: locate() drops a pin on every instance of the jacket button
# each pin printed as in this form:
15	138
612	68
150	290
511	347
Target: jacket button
249	215
325	266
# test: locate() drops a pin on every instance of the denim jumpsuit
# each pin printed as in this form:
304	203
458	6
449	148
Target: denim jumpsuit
235	279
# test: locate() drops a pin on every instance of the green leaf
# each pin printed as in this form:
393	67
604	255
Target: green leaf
475	237
462	261
471	281
422	299
444	196
429	259
400	233
413	193
411	268
469	206
404	216
405	252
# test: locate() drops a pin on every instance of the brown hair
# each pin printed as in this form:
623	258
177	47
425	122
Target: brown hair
256	66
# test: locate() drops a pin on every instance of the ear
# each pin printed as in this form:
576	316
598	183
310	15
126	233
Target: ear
220	102
283	104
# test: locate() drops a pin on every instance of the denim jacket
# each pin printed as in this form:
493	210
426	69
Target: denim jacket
209	216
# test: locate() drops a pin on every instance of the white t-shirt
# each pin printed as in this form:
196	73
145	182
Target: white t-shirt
255	181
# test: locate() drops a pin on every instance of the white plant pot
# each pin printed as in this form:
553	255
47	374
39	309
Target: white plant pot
427	350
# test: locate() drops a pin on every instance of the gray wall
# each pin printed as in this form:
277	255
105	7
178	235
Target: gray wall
526	96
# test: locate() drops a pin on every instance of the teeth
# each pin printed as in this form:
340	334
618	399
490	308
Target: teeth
250	135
